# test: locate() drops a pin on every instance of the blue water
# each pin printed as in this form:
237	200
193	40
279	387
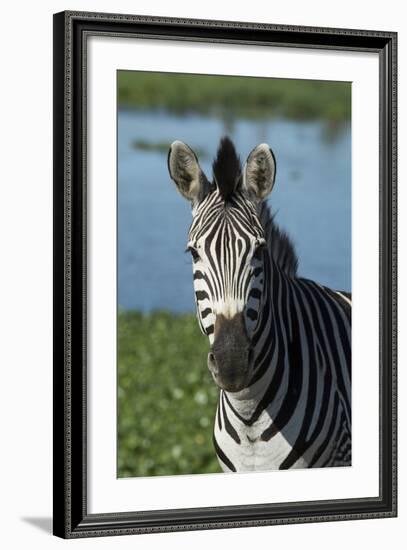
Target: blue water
312	198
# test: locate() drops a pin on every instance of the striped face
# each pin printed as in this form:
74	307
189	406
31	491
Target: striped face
227	244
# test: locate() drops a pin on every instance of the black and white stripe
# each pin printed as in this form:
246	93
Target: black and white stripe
294	410
228	276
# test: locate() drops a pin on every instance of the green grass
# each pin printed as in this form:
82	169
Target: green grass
230	96
166	397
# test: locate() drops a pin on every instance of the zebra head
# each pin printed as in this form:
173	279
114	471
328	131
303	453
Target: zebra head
229	253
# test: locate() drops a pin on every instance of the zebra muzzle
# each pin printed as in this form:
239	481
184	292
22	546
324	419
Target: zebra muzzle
229	360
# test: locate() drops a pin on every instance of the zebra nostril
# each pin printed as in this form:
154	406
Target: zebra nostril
212	365
250	356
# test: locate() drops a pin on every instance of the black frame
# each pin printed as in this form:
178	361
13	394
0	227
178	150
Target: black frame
71	518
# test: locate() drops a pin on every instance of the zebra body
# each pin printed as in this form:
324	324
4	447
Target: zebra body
280	345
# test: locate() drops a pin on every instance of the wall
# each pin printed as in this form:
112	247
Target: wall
25	289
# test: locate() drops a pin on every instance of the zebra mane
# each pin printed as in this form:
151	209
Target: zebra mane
279	243
226	168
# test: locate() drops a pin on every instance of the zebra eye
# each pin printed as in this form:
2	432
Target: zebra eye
194	252
259	247
260	243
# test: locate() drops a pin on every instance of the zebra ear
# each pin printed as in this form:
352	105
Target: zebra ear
185	171
259	172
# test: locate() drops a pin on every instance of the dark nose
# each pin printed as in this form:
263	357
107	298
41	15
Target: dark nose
229	358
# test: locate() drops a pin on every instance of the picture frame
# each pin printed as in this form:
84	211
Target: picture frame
71	514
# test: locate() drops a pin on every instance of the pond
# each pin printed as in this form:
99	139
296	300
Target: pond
311	199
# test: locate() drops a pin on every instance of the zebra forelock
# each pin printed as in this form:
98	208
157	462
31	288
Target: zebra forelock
226	168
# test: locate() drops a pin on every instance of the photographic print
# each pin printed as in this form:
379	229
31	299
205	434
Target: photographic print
234	274
225	282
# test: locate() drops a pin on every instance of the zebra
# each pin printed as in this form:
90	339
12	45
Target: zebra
280	345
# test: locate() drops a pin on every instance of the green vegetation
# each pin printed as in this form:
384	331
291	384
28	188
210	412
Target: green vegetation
232	96
166	397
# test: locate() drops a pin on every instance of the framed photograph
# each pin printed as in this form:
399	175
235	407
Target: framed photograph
224	274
